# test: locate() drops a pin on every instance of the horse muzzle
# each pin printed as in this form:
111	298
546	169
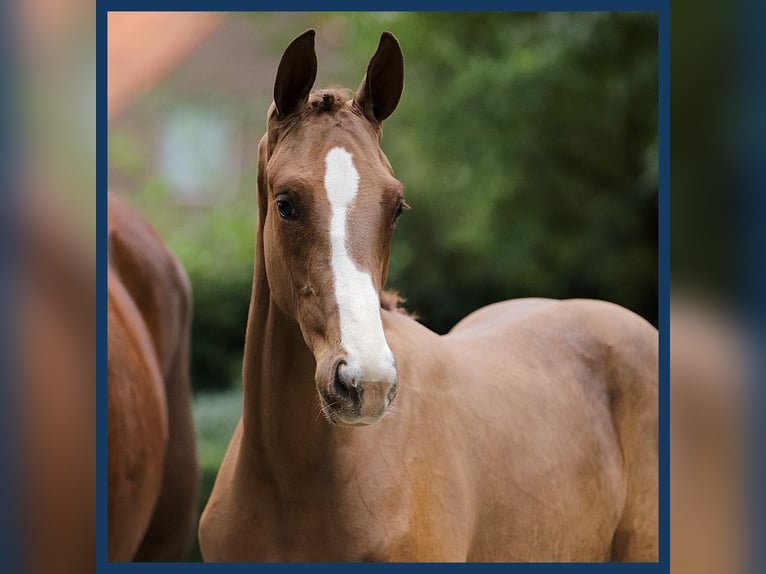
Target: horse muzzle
358	396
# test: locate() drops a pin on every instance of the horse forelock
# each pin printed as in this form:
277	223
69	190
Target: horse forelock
327	101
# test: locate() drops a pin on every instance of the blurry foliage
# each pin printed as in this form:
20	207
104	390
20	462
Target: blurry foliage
216	246
221	271
527	144
709	120
215	418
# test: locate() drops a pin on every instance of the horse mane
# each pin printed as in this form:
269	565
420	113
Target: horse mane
392	301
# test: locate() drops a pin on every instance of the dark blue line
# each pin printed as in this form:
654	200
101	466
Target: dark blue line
387	6
664	281
752	94
658	6
101	292
11	514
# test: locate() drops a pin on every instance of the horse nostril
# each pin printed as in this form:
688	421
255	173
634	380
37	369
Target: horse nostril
343	386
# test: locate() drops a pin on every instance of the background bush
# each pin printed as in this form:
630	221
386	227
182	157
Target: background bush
527	145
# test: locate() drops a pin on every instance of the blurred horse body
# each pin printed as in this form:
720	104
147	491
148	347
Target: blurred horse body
528	433
153	470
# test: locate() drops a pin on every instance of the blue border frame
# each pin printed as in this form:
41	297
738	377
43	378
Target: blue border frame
751	88
102	185
11	512
660	7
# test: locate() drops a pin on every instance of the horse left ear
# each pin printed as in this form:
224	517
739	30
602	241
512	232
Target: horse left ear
381	88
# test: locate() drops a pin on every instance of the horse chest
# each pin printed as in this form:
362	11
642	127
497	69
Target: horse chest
335	522
367	517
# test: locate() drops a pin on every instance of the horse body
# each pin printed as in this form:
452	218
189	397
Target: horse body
152	456
529	432
574	441
138	426
53	514
482	461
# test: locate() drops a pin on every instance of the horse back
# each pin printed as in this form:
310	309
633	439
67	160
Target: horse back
606	348
153	277
604	335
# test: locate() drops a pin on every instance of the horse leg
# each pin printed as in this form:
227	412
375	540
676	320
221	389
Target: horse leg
636	538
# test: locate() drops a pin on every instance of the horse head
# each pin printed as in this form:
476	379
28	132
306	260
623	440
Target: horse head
328	204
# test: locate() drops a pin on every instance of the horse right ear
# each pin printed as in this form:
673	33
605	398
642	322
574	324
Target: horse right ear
296	74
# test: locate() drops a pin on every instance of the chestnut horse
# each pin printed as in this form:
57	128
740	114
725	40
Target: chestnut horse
153	471
528	433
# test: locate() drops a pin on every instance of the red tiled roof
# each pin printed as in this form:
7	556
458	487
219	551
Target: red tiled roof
146	46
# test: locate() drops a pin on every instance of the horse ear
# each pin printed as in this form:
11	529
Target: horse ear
296	74
381	88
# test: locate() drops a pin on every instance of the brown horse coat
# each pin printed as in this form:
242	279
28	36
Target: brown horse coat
55	343
528	433
153	471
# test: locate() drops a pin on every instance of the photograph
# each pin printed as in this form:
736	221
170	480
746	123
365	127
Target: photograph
383	287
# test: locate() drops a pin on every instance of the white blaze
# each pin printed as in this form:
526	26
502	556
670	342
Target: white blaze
369	357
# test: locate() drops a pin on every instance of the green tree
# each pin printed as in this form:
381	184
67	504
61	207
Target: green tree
527	146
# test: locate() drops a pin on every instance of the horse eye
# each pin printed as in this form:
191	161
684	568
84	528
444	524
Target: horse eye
398	212
286	209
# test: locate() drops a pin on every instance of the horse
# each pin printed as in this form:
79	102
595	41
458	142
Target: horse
527	433
152	470
710	366
52	517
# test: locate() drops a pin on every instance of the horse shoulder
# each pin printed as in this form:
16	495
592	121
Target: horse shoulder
436	514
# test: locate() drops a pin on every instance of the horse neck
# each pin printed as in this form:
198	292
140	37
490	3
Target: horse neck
282	423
